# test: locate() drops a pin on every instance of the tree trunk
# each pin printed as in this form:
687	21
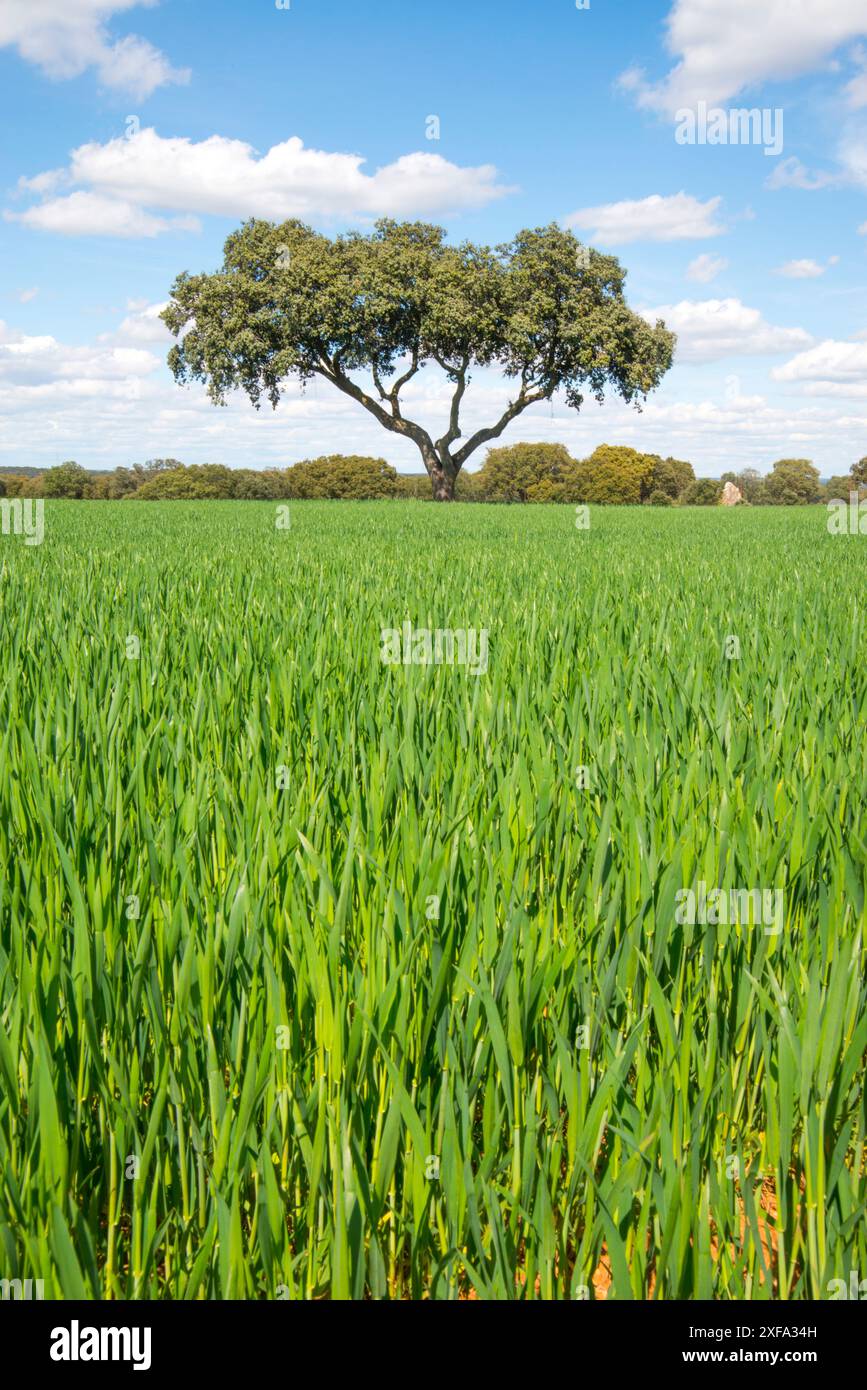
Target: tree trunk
442	476
443	487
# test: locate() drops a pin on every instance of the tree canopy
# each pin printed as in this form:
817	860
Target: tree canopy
290	302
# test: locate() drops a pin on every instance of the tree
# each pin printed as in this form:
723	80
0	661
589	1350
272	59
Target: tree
524	473
658	498
290	302
667	478
199	481
615	475
840	486
704	492
859	473
793	482
751	485
683	471
342	475
66	480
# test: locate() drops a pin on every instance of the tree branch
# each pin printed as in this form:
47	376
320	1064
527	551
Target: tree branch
396	423
494	431
454	429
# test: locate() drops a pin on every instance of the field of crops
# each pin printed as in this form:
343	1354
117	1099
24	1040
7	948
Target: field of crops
321	977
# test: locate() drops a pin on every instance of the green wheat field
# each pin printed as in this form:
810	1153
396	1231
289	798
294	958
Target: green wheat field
325	978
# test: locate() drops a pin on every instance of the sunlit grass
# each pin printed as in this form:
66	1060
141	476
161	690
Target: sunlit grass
291	1038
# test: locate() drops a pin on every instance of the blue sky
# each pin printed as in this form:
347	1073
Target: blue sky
137	135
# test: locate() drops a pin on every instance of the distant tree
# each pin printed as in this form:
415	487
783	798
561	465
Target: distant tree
66	480
750	482
417	485
793	482
859	472
291	302
658	498
205	481
524	473
467	487
615	475
250	484
342	476
13	484
704	492
684	473
665	478
840	486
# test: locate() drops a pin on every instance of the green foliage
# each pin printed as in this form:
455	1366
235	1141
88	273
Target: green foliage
614	475
704	492
658	498
525	473
289	302
66	480
793	482
342	476
859	471
324	986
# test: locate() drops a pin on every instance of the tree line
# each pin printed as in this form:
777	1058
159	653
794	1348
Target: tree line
613	475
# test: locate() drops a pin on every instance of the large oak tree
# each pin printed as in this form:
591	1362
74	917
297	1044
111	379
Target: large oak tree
368	312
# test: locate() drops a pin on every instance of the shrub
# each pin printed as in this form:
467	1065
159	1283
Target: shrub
343	476
524	473
704	492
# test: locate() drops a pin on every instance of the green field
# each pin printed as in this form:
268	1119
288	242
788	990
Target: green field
243	1051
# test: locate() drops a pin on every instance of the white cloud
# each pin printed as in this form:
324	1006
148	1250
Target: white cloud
856	89
724	48
657	218
41	368
65	38
123	185
25	296
791	173
853	156
144	324
830	368
801	270
712	329
706	268
91	214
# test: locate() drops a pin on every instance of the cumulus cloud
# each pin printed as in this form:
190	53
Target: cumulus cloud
657	218
801	270
92	214
65	38
791	173
706	268
123	187
831	368
722	49
43	369
711	329
856	89
142	325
